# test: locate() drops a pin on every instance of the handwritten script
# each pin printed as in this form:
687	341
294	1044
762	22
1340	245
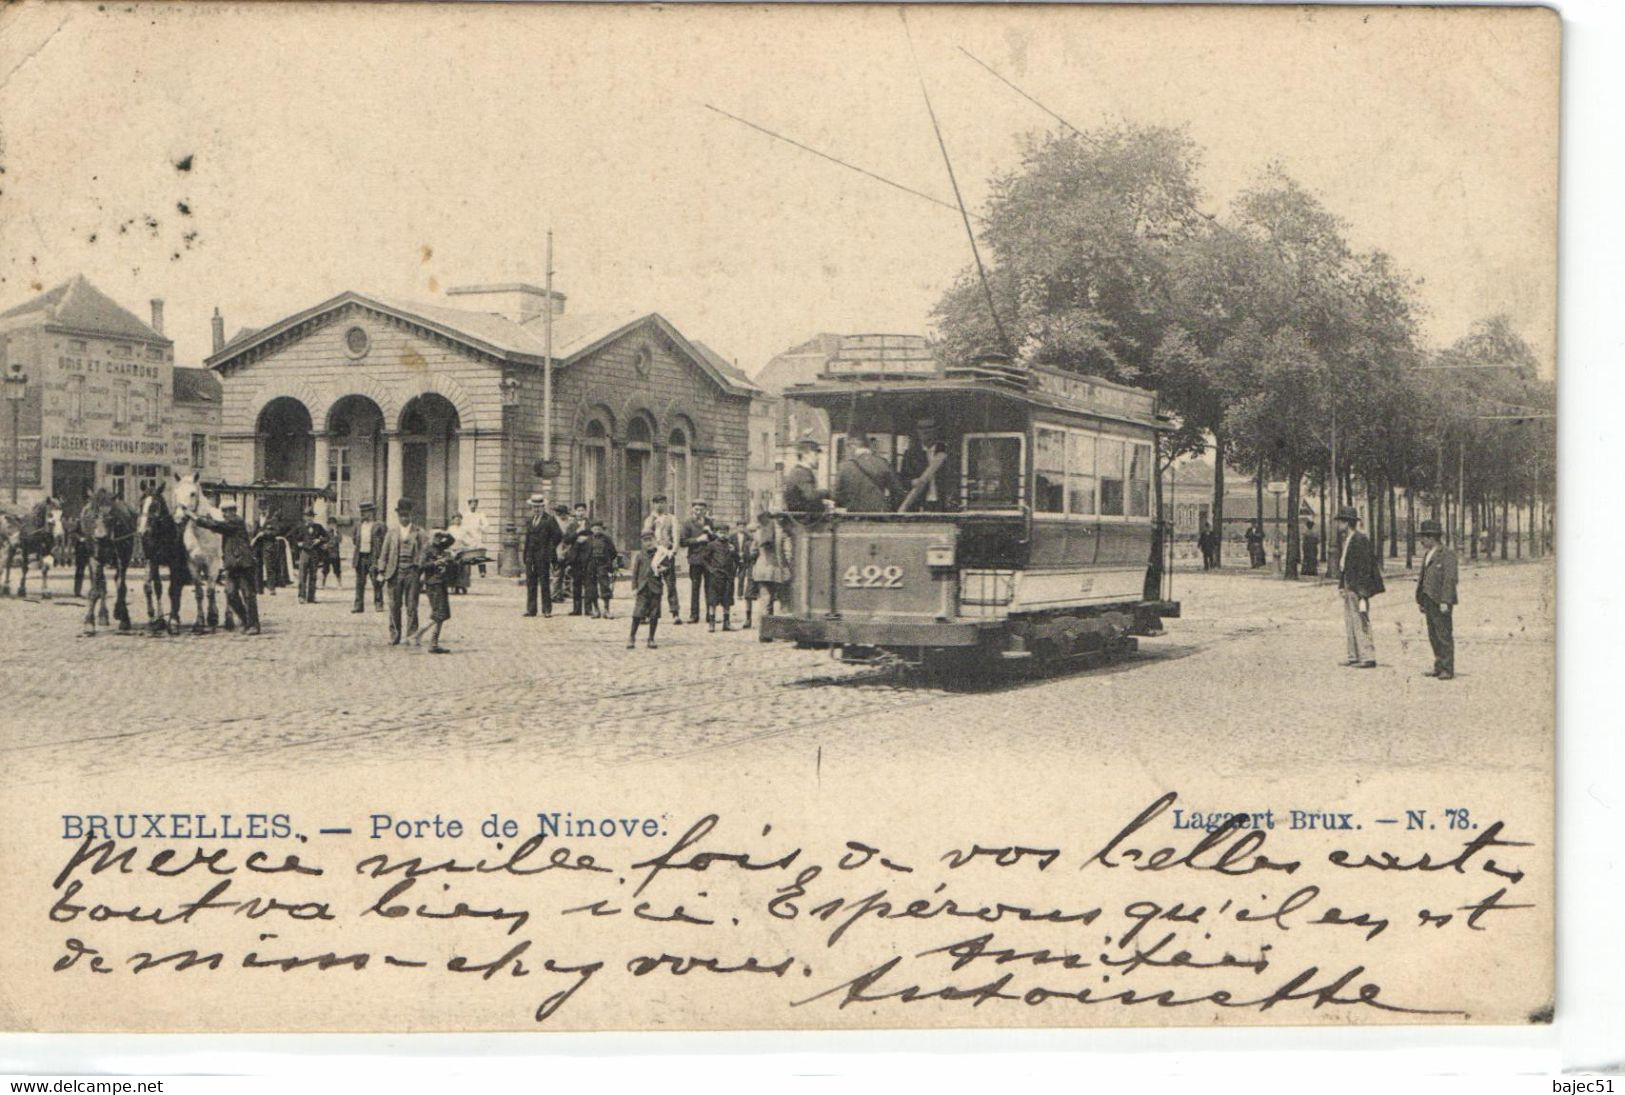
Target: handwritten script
719	920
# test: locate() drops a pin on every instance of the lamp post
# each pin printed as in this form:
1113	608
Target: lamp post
1277	488
16	390
509	387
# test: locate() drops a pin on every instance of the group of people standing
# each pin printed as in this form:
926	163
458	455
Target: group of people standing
403	563
1360	578
568	556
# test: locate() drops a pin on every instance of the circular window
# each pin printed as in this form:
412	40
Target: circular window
356	342
643	361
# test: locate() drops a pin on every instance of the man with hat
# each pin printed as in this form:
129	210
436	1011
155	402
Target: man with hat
366	541
916	464
1359	580
865	481
542	536
237	561
802	494
404	548
696	536
312	554
1436	597
662	525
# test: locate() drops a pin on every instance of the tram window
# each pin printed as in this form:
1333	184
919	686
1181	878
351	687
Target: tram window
1080	473
1139	482
1049	462
992	471
1110	466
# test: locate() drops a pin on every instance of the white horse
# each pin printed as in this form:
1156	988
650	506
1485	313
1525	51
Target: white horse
203	548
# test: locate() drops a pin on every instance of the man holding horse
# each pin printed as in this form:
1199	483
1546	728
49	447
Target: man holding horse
404	547
237	561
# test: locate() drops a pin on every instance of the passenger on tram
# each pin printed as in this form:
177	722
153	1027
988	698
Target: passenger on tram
865	481
925	442
802	494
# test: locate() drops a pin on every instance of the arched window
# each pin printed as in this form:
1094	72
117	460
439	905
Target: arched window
639	478
592	485
679	469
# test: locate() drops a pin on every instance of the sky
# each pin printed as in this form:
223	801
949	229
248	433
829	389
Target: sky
402	150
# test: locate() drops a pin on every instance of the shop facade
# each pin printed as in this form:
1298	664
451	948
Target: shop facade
104	405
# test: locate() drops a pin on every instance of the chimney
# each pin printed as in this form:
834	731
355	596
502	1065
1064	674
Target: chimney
219	325
158	315
515	300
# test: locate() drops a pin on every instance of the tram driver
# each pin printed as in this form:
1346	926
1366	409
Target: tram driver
925	443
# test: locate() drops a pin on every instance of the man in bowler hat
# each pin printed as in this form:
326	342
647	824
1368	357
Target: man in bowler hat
1436	597
542	535
313	544
405	546
1358	580
802	494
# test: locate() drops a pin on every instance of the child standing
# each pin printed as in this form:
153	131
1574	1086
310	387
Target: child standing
603	562
721	568
437	571
646	589
578	564
749	551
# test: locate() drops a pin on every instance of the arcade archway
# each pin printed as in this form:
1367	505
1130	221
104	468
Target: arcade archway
429	431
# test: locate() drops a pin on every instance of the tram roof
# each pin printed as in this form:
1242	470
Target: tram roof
1035	387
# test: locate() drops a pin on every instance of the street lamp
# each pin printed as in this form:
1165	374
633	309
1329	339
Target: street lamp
16	390
509	386
1277	488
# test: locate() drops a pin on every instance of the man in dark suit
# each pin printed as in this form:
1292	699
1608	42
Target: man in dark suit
542	535
1436	597
404	547
365	544
695	536
865	481
313	547
237	561
802	494
1358	580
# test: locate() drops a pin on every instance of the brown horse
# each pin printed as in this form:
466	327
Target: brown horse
109	526
38	534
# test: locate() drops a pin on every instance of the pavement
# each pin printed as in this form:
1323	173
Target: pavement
1250	673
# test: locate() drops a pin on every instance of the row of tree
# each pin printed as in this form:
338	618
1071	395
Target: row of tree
1273	342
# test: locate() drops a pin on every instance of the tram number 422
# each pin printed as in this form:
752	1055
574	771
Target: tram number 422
873	577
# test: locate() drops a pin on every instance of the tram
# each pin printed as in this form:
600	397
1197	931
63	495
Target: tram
1029	530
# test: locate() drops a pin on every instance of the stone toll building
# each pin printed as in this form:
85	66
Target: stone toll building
382	399
105	405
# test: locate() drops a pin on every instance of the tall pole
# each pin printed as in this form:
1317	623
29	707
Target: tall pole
1337	486
547	353
16	447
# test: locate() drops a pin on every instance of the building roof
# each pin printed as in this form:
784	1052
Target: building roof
195	386
723	366
574	336
800	364
78	306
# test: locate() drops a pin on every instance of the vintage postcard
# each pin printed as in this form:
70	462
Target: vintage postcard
591	517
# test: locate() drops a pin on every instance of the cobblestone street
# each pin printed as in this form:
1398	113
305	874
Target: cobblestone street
1250	674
